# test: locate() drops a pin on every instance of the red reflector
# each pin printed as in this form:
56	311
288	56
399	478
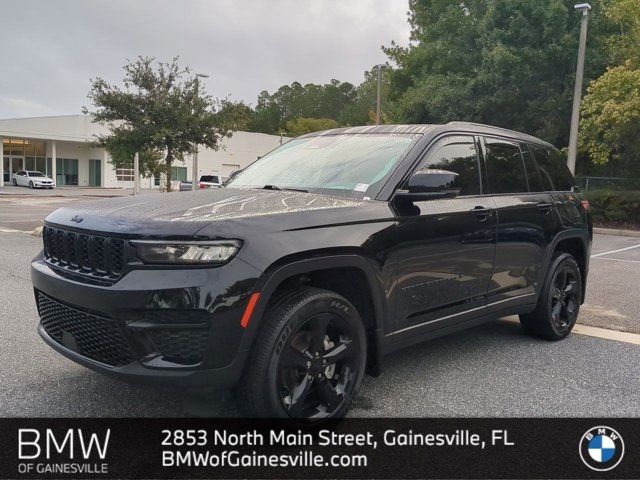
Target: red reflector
585	204
249	310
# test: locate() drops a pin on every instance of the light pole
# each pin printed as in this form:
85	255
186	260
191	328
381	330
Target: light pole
194	166
577	89
379	66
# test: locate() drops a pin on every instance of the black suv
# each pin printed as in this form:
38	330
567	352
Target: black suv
317	260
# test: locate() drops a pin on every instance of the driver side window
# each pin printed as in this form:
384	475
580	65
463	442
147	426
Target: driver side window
457	155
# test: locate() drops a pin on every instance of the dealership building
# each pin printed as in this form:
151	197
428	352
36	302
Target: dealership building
33	143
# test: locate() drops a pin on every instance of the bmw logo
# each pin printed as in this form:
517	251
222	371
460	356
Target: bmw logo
601	448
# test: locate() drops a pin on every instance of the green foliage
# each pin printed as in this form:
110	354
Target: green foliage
621	208
290	102
300	126
611	115
162	108
611	108
508	63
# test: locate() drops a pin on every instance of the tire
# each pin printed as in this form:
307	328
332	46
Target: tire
559	302
30	184
14	182
285	377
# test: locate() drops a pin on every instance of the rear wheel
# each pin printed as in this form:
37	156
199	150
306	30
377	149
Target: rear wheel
308	360
559	303
14	182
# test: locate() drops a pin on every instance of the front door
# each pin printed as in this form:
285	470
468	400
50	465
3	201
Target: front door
95	173
445	247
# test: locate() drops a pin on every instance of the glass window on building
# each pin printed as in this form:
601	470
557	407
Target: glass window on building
124	174
179	174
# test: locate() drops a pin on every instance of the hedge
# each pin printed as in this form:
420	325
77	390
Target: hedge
616	208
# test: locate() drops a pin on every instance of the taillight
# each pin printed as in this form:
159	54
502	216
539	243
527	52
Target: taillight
585	204
202	186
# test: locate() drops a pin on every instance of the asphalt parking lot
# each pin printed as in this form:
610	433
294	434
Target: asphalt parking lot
492	370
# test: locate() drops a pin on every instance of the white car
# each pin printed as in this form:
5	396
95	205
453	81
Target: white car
32	179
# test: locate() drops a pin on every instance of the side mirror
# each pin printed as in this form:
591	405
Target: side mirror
431	184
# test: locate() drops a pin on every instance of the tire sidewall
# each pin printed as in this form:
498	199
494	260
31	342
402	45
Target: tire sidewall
560	260
324	303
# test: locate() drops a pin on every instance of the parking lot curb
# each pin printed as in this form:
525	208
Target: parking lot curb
617	231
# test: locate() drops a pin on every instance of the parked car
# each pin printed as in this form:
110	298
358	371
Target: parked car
32	179
206	181
318	260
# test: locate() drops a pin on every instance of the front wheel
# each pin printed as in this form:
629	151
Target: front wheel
559	302
308	360
30	184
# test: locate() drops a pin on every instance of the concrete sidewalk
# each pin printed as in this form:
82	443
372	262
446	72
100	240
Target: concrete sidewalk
65	192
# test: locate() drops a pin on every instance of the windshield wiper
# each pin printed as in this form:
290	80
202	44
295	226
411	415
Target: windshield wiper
275	187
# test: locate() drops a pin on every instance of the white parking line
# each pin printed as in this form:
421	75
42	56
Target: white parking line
625	337
615	251
619	260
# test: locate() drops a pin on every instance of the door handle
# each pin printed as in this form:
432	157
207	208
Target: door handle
482	213
545	207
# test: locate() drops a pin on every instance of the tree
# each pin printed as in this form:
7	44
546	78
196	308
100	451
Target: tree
162	108
508	63
611	115
300	126
611	108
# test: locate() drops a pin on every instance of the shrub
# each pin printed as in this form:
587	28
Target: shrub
620	208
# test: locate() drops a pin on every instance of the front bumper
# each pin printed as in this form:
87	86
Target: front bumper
171	326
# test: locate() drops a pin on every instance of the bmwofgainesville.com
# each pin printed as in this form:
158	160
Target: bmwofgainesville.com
374	239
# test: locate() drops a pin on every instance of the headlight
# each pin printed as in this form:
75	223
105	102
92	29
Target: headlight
187	253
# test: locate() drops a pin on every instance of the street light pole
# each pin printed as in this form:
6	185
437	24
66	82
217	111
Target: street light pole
194	165
378	94
577	89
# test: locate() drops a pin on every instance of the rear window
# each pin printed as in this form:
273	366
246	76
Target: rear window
210	178
553	169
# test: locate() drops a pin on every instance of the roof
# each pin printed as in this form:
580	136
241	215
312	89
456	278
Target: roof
429	128
396	129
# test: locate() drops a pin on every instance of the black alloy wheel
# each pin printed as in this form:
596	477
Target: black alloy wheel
564	301
318	366
308	360
14	182
30	184
559	301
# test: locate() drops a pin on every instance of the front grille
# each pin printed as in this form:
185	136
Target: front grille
79	253
92	336
185	346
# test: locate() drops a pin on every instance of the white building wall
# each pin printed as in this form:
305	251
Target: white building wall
74	135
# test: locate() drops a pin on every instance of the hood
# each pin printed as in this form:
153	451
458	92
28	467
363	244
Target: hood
184	214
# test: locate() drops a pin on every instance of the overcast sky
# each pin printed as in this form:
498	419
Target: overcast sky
50	49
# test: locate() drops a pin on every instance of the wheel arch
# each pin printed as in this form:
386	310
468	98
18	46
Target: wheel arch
289	271
577	243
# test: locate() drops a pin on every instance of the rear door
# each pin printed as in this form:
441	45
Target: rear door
445	247
526	220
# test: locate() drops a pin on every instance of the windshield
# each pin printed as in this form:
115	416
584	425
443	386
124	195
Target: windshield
36	174
353	165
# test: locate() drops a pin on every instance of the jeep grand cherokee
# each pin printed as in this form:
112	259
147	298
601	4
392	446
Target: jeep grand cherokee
317	260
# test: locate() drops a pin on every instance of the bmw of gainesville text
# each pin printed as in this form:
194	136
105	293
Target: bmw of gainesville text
189	447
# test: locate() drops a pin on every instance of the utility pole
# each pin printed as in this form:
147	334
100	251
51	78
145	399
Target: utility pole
378	93
136	174
577	89
194	166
